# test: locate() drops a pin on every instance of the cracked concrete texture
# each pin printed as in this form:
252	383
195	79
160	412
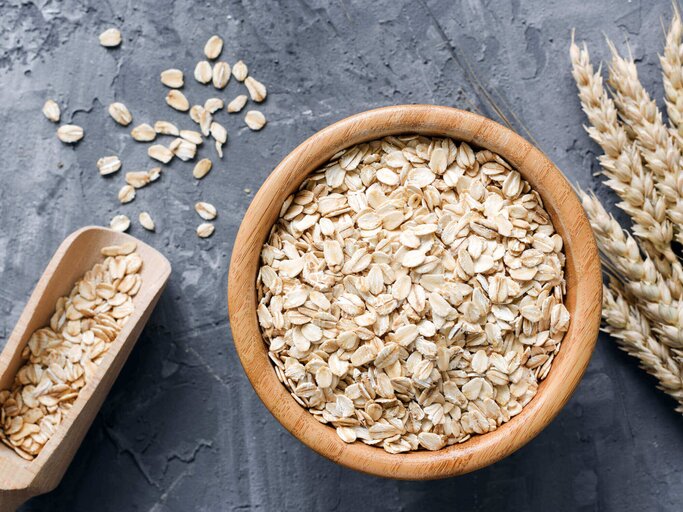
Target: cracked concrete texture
182	429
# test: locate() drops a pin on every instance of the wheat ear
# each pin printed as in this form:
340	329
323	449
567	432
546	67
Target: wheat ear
658	148
640	277
622	163
672	74
635	337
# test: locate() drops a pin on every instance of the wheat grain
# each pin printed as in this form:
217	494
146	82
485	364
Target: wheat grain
672	74
635	337
640	276
659	150
623	167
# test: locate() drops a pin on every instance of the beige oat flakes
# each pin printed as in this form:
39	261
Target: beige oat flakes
192	136
63	356
120	223
146	221
411	293
213	47
166	128
240	71
160	153
205	120
154	173
203	72
177	100
183	149
196	113
218	132
172	78
69	133
205	210
108	165
257	91
120	113
255	120
213	105
237	104
205	230
143	133
137	179
51	111
202	168
220	75
126	194
110	38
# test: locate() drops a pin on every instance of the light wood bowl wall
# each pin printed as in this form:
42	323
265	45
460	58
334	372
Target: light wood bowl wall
584	290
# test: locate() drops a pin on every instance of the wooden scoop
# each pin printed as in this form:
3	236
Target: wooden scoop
22	479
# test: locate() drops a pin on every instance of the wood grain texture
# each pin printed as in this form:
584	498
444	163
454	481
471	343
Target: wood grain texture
21	479
583	290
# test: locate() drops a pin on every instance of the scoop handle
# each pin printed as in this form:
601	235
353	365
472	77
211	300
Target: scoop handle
11	500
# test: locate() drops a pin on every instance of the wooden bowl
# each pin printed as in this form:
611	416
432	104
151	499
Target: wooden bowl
583	300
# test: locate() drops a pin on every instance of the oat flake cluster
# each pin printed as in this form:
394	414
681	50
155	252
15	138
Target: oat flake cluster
411	293
62	357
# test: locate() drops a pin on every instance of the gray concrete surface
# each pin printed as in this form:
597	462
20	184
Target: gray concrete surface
182	429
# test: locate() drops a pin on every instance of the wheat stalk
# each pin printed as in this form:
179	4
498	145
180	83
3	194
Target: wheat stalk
634	336
623	167
672	74
661	153
640	276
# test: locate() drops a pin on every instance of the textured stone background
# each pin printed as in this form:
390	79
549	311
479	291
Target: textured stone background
182	429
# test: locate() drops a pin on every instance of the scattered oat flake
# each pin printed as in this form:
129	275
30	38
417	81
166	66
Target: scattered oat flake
160	153
70	133
206	211
218	132
205	120
192	136
257	91
166	128
238	103
120	113
220	75
137	179
177	100
126	194
240	71
213	47
213	105
255	120
154	173
196	113
202	168
143	133
183	149
108	164
51	111
120	223
110	38
146	221
172	78
203	72
205	230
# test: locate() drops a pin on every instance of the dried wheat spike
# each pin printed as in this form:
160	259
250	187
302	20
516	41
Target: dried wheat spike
623	167
634	335
659	150
639	275
672	74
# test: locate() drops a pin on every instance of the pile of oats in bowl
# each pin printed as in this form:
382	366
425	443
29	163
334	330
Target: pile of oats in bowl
411	293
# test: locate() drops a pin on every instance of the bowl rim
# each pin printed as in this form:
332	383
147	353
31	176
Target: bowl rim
583	298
